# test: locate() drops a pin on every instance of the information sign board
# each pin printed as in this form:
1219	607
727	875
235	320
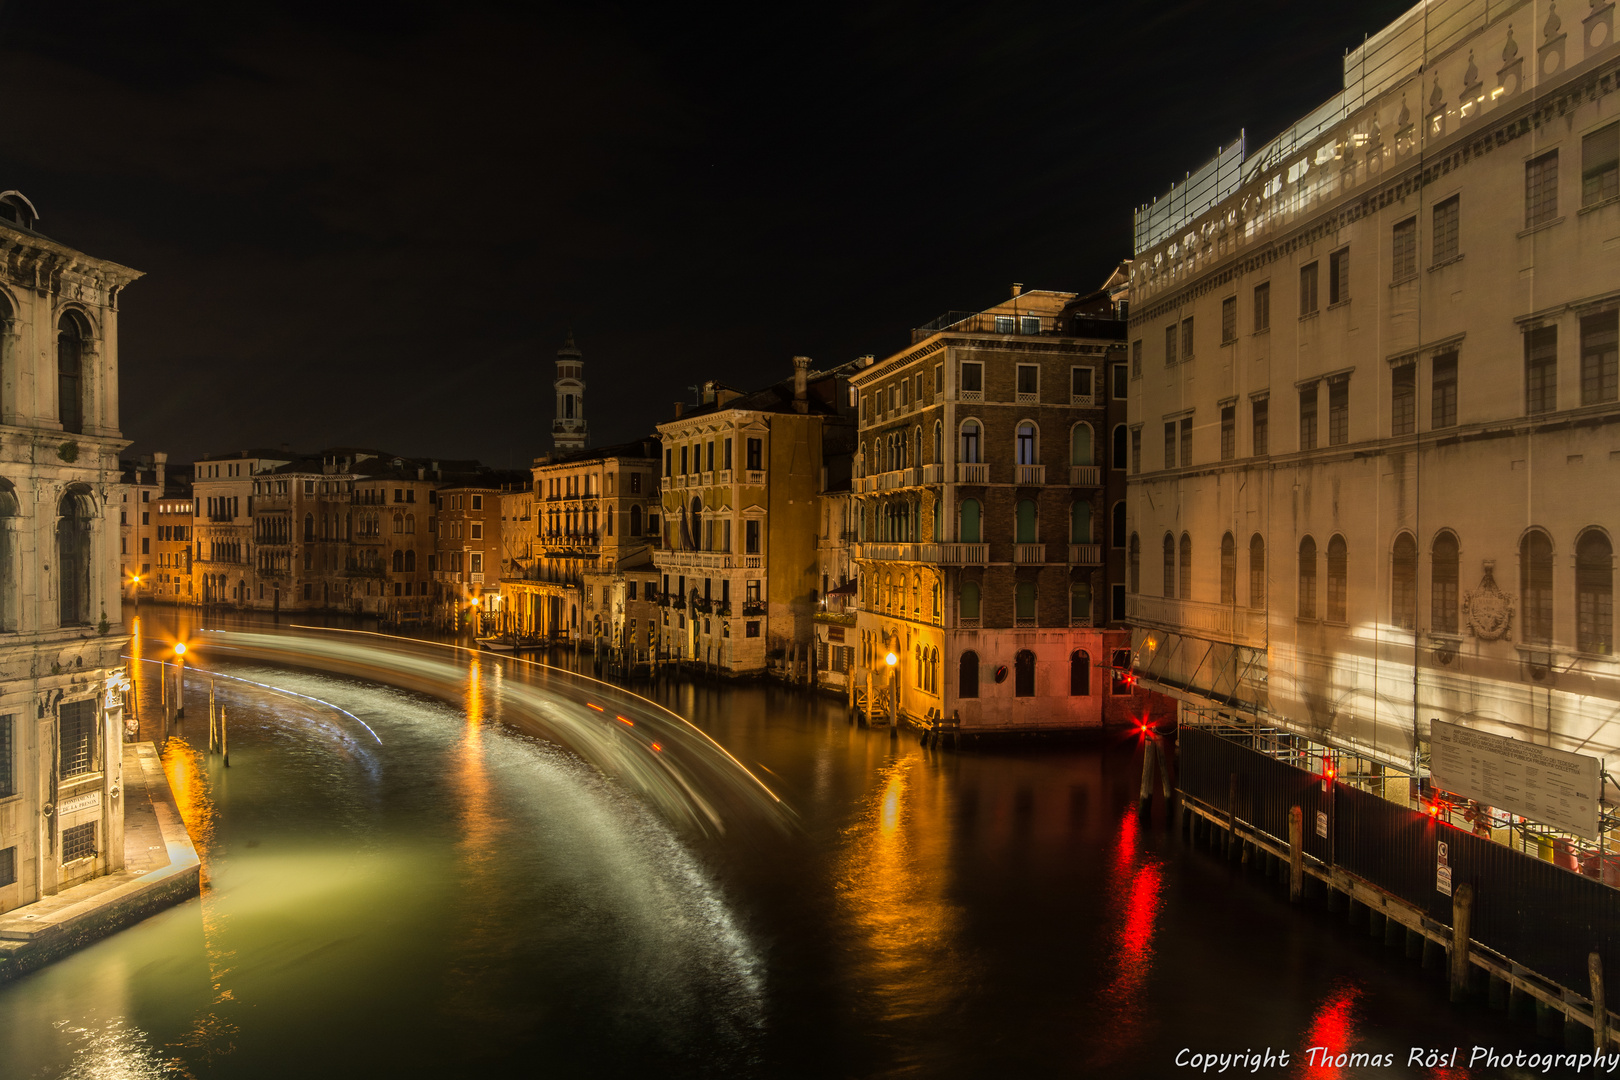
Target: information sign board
1553	787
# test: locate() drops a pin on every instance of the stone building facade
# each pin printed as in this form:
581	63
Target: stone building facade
141	484
62	680
1376	399
989	480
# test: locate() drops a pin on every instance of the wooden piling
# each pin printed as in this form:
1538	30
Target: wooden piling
224	739
1600	1008
1414	944
1146	792
1393	934
1296	854
1462	909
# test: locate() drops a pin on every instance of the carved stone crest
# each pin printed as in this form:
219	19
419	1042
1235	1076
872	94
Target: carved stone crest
1488	609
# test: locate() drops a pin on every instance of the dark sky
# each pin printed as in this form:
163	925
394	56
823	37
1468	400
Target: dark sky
371	224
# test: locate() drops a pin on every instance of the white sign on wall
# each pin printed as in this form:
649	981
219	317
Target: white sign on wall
1550	786
88	801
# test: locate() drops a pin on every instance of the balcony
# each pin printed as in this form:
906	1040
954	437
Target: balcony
1031	475
754	476
891	552
1088	400
1025	397
960	554
1029	553
1085	554
712	560
933	474
723	476
978	473
969	622
708	478
1085	475
970	395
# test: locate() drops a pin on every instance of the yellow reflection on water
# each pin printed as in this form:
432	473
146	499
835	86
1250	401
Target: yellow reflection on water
894	876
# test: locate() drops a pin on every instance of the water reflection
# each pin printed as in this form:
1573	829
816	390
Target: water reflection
1135	889
1333	1030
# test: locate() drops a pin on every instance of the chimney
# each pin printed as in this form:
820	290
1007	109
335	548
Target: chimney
680	409
160	461
1017	288
801	372
708	392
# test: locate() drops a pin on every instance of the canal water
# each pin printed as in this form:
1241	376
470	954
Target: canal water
419	881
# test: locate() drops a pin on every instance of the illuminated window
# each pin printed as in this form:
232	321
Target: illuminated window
1541	190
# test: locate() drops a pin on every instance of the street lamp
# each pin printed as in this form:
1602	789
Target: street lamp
180	682
894	694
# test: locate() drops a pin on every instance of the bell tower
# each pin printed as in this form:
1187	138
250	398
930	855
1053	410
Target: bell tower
568	429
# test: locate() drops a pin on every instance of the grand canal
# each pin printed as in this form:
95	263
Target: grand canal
427	862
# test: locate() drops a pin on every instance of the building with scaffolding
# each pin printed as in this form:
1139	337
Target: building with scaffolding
1419	283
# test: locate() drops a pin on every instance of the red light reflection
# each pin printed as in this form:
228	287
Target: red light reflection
1136	884
1333	1029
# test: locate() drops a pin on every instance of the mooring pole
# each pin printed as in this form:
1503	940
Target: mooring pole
1462	908
224	739
1600	1009
1296	853
1147	772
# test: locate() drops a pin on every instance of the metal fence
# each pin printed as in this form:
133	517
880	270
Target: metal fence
1529	911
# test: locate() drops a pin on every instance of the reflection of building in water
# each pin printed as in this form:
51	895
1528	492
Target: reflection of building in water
62	686
1374	398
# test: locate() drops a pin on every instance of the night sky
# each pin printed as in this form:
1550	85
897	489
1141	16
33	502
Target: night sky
372	224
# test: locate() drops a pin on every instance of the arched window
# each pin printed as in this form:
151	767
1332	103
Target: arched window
1257	571
70	340
1025	521
410	524
1135	564
1403	583
399	524
1024	674
1307	578
1024	601
1120	438
916	593
697	524
8	558
967	675
1535	586
1228	569
1080	603
635	521
917	460
73	556
410	562
399	561
969	531
1169	566
969	602
1443	582
1186	567
970	442
1594	593
1026	443
1080	522
939	442
1079	673
1338	581
1118	531
1080	445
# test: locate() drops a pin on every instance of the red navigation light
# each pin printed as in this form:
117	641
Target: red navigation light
1434	809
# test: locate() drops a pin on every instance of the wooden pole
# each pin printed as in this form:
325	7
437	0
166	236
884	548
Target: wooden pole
1600	1009
1296	853
1462	909
224	739
1147	772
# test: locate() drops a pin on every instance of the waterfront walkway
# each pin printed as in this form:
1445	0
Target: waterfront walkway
160	869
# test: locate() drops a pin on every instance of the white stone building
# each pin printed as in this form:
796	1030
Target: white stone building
61	631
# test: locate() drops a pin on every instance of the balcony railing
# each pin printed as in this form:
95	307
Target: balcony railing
723	476
1088	400
968	622
1085	475
1085	554
754	476
933	474
978	473
970	395
713	560
1029	553
1024	620
1026	397
708	478
892	552
476	578
1033	475
961	554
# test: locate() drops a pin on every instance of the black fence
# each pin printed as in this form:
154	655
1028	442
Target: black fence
1529	911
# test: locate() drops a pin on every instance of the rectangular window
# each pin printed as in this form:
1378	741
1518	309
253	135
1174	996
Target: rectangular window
477	530
1403	246
1004	324
1186	339
1228	320
725	453
709	456
1446	243
1170	445
8	866
1136	359
1339	412
939	378
685	460
1170	345
1307	418
751	537
1186	440
1307	290
1029	324
76	723
1541	370
972	378
756	454
79	842
1443	407
1029	381
1541	190
1228	432
1600	357
8	768
635	481
1080	382
1339	276
1600	165
1262	306
1136	450
1262	441
1403	400
1122	382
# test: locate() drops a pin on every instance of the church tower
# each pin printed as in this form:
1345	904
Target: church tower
568	429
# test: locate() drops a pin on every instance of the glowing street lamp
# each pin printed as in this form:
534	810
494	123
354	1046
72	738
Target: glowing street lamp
180	683
894	694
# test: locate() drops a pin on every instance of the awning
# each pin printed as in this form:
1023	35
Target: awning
846	589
